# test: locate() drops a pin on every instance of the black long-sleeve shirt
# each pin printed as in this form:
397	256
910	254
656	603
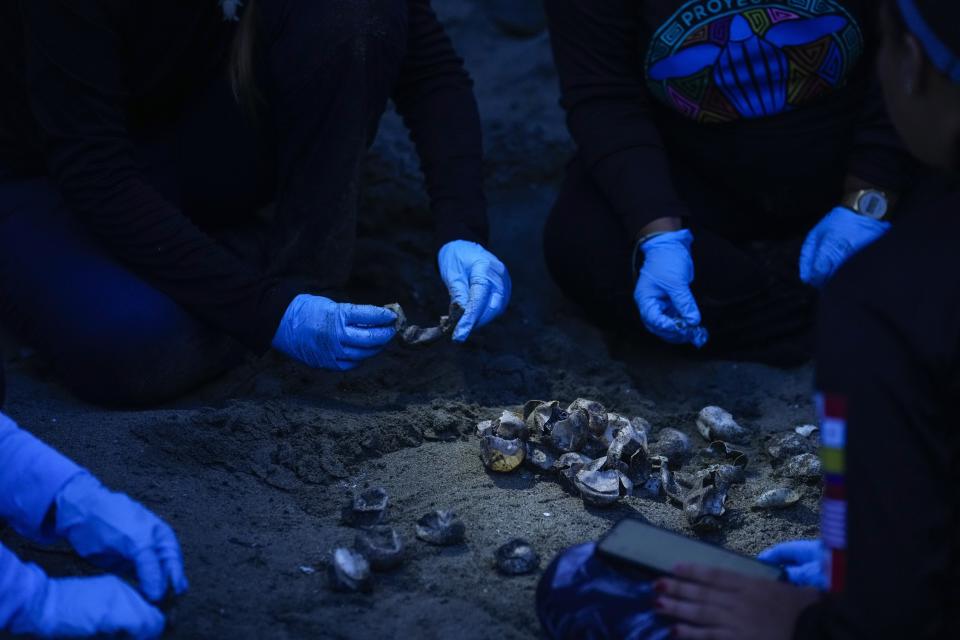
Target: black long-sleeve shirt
753	94
79	77
890	352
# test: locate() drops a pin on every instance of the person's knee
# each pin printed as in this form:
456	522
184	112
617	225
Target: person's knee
127	376
559	246
587	251
580	237
144	356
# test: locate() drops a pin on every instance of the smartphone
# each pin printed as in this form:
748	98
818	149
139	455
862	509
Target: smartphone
641	545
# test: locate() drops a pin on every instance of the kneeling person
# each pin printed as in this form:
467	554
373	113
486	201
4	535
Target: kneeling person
744	143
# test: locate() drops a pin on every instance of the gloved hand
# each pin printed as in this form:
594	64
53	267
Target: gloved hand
834	240
325	334
31	603
111	529
663	294
802	560
31	475
477	281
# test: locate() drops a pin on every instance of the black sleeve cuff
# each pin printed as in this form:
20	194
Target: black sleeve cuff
638	184
887	168
461	221
273	304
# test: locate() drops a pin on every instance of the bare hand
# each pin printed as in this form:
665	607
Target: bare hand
712	604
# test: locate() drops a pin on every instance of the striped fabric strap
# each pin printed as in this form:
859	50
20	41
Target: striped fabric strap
833	509
940	54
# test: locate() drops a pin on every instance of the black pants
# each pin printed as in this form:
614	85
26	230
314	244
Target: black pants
746	268
325	75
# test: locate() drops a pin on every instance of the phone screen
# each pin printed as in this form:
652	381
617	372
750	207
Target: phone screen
644	545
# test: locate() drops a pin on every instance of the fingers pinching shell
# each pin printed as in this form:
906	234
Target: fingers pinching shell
481	289
171	558
357	354
367	337
150	574
362	315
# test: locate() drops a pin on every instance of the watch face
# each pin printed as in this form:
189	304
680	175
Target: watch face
872	204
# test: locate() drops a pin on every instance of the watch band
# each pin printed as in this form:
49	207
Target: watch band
870	203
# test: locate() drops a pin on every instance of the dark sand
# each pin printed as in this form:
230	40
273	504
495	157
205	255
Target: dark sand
252	470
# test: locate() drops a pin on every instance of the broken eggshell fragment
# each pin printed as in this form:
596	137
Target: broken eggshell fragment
540	415
787	445
600	487
382	546
805	466
615	423
532	405
510	426
501	455
441	528
484	428
449	322
415	336
594	447
728	474
568	465
349	571
366	509
573	460
705	503
806	430
596	414
714	423
641	425
779	498
401	322
516	558
668	480
628	445
704	506
570	434
674	445
649	487
540	459
727	451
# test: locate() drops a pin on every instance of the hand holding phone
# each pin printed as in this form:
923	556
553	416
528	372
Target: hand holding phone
641	545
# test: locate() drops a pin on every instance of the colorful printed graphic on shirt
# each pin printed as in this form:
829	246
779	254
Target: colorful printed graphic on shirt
723	60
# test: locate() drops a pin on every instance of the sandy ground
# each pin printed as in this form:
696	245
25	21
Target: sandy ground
252	470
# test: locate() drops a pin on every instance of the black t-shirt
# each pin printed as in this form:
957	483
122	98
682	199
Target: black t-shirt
147	56
761	98
80	77
889	355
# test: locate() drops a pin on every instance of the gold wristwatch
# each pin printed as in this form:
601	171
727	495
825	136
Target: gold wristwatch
871	203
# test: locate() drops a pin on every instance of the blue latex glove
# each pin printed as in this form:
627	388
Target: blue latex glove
31	475
111	529
802	560
834	240
325	334
31	603
663	294
477	281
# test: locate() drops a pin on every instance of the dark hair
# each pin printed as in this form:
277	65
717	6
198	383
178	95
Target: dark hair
242	60
944	18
